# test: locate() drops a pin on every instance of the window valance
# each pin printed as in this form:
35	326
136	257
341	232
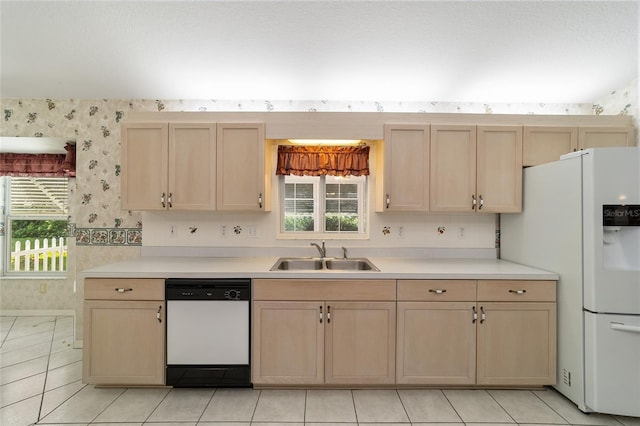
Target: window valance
323	160
43	165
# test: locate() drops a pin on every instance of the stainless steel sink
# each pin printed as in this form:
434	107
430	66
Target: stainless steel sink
297	264
350	265
320	264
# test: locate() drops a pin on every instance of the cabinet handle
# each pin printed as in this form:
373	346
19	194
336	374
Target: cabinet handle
123	290
162	200
437	291
473	202
475	315
158	313
320	314
328	314
170	200
481	203
483	315
388	200
624	327
260	200
518	291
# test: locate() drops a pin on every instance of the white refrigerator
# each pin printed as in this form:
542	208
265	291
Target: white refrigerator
581	219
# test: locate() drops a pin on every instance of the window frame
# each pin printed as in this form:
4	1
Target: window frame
319	203
8	217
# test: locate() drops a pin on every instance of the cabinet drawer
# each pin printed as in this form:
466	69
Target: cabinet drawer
437	290
123	289
516	291
313	289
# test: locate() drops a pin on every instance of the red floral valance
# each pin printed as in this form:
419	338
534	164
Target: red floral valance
323	160
43	165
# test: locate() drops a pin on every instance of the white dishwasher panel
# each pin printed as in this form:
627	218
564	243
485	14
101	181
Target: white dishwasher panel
208	332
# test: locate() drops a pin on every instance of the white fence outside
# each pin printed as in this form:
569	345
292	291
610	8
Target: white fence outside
46	255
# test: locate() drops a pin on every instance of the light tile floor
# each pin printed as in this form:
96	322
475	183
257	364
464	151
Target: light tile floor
40	382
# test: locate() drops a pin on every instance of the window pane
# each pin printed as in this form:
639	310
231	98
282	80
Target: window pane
349	206
304	190
332	206
333	190
349	223
298	223
348	190
38	245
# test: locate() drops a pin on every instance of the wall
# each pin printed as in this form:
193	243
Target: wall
104	233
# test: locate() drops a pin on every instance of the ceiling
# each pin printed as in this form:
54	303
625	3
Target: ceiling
447	51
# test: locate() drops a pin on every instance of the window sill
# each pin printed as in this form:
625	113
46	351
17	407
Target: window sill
33	277
320	236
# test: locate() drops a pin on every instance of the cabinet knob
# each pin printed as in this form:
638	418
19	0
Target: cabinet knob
328	314
320	314
170	200
475	315
388	200
481	203
260	200
123	290
483	315
158	316
162	200
437	291
518	291
473	202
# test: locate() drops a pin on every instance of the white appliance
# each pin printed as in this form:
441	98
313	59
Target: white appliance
581	219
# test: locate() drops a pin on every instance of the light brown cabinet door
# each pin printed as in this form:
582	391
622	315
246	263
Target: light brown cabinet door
544	144
144	161
592	137
499	169
360	342
192	166
516	344
124	342
405	169
241	180
453	168
288	343
436	343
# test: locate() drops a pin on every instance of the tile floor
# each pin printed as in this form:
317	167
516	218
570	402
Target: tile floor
40	383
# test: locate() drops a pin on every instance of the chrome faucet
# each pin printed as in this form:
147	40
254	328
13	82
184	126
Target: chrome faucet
322	250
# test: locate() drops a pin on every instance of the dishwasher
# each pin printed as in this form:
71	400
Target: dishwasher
208	332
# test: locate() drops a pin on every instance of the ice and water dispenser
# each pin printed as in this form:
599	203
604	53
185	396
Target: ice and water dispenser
621	236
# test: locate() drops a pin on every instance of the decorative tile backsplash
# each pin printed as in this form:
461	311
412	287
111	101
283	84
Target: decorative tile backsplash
108	236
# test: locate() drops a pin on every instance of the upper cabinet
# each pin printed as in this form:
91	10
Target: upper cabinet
405	169
192	159
592	137
194	167
476	169
544	144
242	182
168	166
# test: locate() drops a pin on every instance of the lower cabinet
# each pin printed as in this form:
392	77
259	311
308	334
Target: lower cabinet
324	341
124	332
506	335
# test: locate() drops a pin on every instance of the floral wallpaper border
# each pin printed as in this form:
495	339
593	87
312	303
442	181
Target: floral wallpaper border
108	237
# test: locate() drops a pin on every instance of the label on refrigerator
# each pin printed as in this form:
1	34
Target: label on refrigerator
621	215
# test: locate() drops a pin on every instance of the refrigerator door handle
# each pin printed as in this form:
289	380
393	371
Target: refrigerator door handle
623	327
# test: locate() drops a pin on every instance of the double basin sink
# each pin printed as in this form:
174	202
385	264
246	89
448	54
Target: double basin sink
323	264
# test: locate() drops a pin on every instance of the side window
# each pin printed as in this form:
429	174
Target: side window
36	222
323	204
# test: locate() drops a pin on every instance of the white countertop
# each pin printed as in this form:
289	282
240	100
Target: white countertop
258	267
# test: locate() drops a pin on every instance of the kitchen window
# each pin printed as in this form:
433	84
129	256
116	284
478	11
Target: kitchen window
333	205
35	216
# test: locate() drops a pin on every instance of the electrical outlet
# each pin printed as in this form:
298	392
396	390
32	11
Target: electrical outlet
251	231
172	231
461	232
401	231
43	288
223	230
